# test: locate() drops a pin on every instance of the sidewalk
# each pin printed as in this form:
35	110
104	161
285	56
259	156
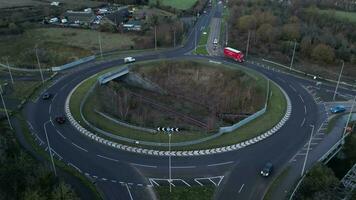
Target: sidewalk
321	143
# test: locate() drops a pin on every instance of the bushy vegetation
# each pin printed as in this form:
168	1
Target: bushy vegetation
274	26
21	177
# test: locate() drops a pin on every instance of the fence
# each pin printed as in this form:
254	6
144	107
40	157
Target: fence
73	64
112	75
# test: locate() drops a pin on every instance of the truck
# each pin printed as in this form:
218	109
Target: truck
234	54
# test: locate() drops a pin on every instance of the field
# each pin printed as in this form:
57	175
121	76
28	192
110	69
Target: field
57	46
342	15
179	4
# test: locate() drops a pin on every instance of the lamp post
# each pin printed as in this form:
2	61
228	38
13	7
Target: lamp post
306	155
3	103
291	63
49	147
338	80
39	64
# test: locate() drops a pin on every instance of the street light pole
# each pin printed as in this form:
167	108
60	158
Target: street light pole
248	43
291	63
174	38
195	40
49	147
227	34
170	162
338	80
155	37
3	103
8	67
306	155
39	64
100	45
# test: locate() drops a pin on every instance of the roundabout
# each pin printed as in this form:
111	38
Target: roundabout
119	172
200	146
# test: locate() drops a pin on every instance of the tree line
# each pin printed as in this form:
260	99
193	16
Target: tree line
274	26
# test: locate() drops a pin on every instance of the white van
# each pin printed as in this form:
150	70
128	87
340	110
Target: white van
129	59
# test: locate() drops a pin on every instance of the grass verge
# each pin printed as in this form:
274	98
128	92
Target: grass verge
186	193
275	183
178	4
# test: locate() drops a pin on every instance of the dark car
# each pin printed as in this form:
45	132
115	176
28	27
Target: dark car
338	109
267	169
60	119
46	96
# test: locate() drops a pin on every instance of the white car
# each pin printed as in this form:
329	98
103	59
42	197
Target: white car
129	59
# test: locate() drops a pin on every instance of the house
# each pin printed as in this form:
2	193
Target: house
133	25
79	17
119	16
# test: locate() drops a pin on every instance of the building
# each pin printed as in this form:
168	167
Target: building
119	16
79	17
133	25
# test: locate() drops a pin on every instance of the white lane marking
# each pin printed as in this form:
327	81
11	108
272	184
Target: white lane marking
141	165
293	88
54	97
107	158
61	134
75	167
301	98
305	109
217	164
50	109
128	189
79	147
30	125
212	181
242	186
302	124
183	167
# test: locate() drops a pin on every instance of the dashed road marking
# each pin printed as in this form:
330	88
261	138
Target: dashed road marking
242	186
128	189
79	147
141	165
61	134
107	158
217	164
302	124
183	167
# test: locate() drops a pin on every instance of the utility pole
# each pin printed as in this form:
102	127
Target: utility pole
227	34
195	40
291	63
174	38
338	80
39	64
155	37
8	67
248	42
3	103
49	147
170	162
306	155
100	45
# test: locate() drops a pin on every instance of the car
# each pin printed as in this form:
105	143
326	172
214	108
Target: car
60	119
129	59
46	96
337	109
267	169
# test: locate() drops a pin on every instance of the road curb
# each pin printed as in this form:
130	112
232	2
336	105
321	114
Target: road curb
145	151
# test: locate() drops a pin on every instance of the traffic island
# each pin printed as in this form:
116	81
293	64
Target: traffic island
274	115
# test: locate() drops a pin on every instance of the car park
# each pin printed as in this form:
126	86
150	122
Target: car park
337	109
267	169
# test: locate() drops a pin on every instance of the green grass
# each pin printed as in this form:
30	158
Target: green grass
341	15
333	121
275	183
201	49
23	89
186	193
178	4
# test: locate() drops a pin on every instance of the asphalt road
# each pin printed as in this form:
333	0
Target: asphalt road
124	175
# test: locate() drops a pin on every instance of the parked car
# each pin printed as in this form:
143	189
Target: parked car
129	59
46	96
267	169
337	109
60	119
